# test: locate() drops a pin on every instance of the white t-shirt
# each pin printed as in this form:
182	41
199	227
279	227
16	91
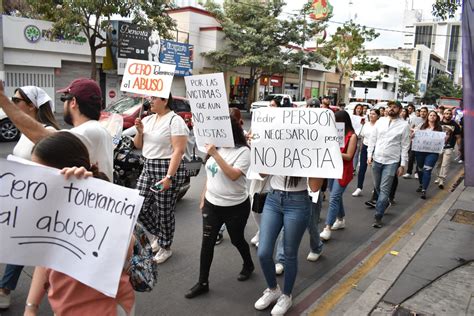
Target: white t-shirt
221	190
366	132
157	135
278	183
99	144
24	146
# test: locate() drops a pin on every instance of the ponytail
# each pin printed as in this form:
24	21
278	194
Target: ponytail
97	174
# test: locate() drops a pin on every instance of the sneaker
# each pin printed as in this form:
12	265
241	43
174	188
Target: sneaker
377	223
269	296
416	175
338	224
162	255
423	195
357	192
460	161
313	256
436	181
407	176
279	268
325	234
245	273
154	246
5	299
371	203
254	241
283	305
219	239
198	289
420	188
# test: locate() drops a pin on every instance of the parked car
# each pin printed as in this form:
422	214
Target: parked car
129	108
8	131
285	100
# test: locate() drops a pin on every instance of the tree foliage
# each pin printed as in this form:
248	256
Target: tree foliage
445	8
260	37
407	84
92	17
442	85
345	44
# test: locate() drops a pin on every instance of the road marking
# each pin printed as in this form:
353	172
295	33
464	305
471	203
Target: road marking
339	292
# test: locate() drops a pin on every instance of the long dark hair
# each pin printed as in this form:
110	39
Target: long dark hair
238	133
344	117
437	124
355	108
64	149
44	114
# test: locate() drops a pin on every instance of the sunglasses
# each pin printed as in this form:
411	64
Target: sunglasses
17	100
67	97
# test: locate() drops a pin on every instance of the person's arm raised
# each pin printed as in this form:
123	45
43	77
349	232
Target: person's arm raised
30	127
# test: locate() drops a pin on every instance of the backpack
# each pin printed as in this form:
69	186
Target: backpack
143	269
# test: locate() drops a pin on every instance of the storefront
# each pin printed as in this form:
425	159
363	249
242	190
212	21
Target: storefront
270	85
32	56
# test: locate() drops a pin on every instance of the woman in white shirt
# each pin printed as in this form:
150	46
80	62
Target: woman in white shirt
162	138
36	103
225	201
365	135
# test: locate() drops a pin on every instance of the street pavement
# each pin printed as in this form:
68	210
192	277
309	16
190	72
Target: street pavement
344	252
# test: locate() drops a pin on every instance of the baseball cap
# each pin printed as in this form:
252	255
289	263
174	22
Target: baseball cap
313	103
85	89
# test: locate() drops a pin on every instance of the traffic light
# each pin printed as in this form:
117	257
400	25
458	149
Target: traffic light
366	90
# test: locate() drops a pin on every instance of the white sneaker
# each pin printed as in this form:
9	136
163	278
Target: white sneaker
269	296
357	192
407	176
279	268
254	241
339	224
416	175
154	246
313	256
325	234
5	300
162	255
283	305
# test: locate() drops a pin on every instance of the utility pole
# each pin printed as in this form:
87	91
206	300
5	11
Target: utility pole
300	81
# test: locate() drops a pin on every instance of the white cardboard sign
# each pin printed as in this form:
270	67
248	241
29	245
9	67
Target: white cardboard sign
357	123
300	142
428	141
148	78
81	228
211	120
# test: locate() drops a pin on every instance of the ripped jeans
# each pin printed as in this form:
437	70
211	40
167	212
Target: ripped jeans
235	219
425	163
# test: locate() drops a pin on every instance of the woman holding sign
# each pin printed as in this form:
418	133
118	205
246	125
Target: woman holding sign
425	161
335	218
162	137
66	295
36	103
225	201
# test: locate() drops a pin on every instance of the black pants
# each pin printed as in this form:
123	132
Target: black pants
235	219
411	161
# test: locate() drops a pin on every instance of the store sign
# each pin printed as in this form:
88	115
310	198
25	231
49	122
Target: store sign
321	9
32	33
178	54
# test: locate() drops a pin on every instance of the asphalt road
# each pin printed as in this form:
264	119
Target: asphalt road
227	295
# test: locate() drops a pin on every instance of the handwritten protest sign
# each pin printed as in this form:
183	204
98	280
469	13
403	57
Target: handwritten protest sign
208	99
357	123
78	227
148	78
428	141
340	133
295	142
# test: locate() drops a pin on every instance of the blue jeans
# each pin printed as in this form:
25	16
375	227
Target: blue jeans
288	210
315	243
10	277
383	179
362	167
336	207
425	163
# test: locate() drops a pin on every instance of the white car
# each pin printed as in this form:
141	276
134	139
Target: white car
279	97
8	131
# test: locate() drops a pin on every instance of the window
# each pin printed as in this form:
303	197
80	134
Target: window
423	35
385	85
453	48
365	84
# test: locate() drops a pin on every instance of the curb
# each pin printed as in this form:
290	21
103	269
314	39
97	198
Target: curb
366	303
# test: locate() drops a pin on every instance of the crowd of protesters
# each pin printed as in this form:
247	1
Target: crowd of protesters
381	141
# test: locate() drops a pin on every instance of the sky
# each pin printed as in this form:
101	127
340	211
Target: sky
386	14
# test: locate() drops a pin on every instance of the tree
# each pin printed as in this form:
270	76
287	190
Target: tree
441	85
407	84
345	44
445	8
257	37
92	17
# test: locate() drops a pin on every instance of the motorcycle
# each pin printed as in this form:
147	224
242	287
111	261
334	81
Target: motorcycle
128	163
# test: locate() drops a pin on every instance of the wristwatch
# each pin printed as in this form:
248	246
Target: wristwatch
31	306
169	177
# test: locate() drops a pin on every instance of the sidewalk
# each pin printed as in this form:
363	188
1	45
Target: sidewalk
429	272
